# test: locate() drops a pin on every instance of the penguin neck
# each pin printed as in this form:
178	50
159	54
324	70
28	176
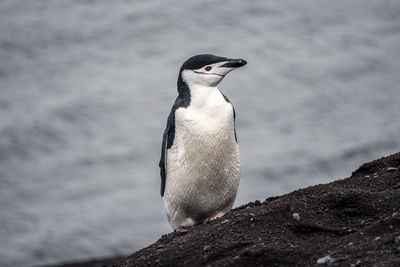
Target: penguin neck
199	96
204	96
206	104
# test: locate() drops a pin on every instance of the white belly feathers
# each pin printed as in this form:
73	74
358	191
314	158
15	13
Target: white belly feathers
202	165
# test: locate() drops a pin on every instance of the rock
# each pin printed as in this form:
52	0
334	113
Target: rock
327	260
365	222
296	216
207	248
367	207
324	260
182	231
391	169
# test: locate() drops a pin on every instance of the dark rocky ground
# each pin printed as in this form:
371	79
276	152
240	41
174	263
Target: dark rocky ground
349	222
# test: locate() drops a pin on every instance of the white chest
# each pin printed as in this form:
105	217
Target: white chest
203	164
208	113
204	140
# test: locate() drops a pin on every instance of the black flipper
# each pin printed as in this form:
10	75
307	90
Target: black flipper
181	101
168	135
234	115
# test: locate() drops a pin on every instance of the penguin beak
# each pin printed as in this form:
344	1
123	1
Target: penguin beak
234	63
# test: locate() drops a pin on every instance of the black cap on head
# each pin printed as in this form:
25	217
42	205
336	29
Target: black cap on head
202	60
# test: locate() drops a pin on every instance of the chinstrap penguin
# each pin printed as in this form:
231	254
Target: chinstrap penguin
200	164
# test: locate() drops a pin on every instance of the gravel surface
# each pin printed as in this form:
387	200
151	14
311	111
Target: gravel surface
349	222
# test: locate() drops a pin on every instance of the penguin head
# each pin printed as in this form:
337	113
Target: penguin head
207	70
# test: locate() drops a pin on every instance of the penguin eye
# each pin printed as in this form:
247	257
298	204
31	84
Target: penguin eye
208	68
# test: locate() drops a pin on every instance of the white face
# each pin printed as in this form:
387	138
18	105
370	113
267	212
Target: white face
210	75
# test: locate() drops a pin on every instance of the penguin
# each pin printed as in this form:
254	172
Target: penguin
200	162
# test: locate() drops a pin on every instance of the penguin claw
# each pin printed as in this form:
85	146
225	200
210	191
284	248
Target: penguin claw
181	230
216	215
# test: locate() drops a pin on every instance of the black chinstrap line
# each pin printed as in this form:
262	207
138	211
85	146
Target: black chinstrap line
198	72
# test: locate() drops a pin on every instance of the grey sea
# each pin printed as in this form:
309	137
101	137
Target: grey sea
86	88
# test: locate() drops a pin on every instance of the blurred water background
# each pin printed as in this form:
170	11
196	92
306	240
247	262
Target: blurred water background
86	87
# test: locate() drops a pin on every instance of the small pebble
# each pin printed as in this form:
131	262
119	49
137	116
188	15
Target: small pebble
365	222
296	216
358	262
395	214
207	248
387	239
377	238
391	169
398	250
350	244
252	214
181	231
323	260
397	239
326	260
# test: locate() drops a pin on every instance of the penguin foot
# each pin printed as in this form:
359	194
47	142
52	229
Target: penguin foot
181	230
216	215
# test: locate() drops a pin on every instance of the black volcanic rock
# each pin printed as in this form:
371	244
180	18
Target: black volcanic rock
353	221
349	222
